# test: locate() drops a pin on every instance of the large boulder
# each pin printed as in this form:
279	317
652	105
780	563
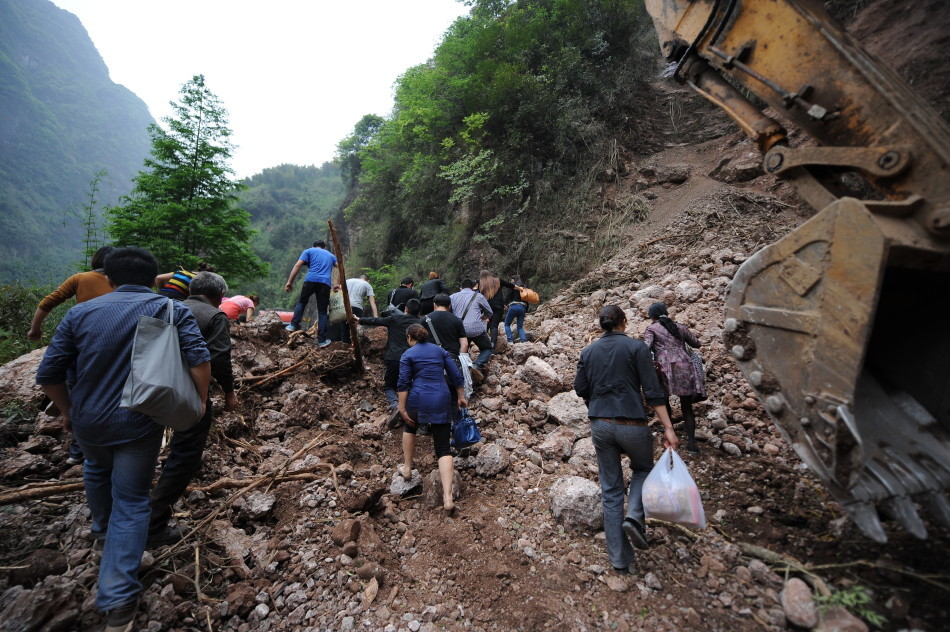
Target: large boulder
557	445
569	410
541	375
523	350
18	378
689	291
492	459
575	503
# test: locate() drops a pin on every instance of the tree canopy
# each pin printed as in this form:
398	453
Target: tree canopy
182	206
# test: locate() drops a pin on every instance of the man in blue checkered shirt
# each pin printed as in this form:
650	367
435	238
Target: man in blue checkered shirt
93	344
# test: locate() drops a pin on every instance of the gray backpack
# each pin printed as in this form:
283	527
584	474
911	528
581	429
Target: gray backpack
159	384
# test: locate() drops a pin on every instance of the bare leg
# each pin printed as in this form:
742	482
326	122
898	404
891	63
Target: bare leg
408	449
447	476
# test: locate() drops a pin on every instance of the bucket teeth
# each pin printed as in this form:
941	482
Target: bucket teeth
902	509
865	516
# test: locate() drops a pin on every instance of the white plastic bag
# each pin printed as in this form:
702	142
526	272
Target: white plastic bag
466	361
669	493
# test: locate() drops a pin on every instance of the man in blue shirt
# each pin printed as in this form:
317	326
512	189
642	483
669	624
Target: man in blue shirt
92	345
320	268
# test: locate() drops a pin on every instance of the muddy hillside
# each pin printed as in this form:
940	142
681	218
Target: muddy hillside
298	520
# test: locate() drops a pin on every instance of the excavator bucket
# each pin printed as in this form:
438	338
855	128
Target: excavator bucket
842	332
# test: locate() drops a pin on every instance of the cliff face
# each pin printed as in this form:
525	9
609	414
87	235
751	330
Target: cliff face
62	121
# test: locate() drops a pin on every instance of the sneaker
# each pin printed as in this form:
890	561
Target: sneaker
636	534
477	376
323	344
291	327
692	448
170	535
622	571
121	619
73	461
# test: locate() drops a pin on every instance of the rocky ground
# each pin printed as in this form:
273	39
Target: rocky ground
300	522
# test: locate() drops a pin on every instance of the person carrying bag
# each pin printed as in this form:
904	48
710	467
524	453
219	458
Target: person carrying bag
160	383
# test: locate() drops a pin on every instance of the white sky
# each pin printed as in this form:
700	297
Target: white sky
294	75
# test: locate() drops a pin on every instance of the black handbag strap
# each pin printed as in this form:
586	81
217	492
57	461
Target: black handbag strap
432	329
469	306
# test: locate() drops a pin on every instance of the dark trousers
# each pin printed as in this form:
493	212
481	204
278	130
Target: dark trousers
322	290
427	306
345	326
184	460
493	323
390	382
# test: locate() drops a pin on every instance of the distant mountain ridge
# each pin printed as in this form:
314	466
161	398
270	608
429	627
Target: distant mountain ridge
62	119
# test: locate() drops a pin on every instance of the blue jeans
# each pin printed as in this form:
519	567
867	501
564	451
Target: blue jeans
611	441
117	479
322	290
515	311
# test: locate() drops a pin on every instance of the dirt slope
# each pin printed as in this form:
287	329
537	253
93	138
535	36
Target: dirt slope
311	443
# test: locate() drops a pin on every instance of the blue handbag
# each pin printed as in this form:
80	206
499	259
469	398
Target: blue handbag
465	431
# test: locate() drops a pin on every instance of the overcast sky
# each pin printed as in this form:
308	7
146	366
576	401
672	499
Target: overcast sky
294	75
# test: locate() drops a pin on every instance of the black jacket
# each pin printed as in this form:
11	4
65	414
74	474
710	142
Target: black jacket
432	287
216	329
396	324
400	296
611	373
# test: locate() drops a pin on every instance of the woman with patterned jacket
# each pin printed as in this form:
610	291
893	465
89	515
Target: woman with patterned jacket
667	340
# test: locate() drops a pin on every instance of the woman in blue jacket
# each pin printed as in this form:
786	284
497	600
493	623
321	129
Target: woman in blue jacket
424	402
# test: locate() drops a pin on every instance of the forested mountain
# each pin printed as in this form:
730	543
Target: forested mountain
499	147
62	120
289	206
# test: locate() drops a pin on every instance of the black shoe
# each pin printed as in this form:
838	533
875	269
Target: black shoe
395	420
169	535
121	618
692	448
636	534
622	571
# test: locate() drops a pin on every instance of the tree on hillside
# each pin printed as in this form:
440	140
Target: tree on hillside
182	207
348	149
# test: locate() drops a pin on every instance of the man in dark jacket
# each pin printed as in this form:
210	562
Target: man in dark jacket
396	343
400	296
187	446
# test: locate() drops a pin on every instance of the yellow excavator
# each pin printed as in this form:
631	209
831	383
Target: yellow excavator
843	326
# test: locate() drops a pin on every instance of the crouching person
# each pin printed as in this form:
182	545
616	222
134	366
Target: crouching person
187	446
93	344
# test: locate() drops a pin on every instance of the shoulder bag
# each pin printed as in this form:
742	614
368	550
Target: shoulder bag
160	384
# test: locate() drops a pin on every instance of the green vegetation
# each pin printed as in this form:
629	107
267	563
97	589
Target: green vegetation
182	207
855	599
17	304
289	206
63	121
497	146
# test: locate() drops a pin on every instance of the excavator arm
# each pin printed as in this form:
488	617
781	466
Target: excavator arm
841	326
